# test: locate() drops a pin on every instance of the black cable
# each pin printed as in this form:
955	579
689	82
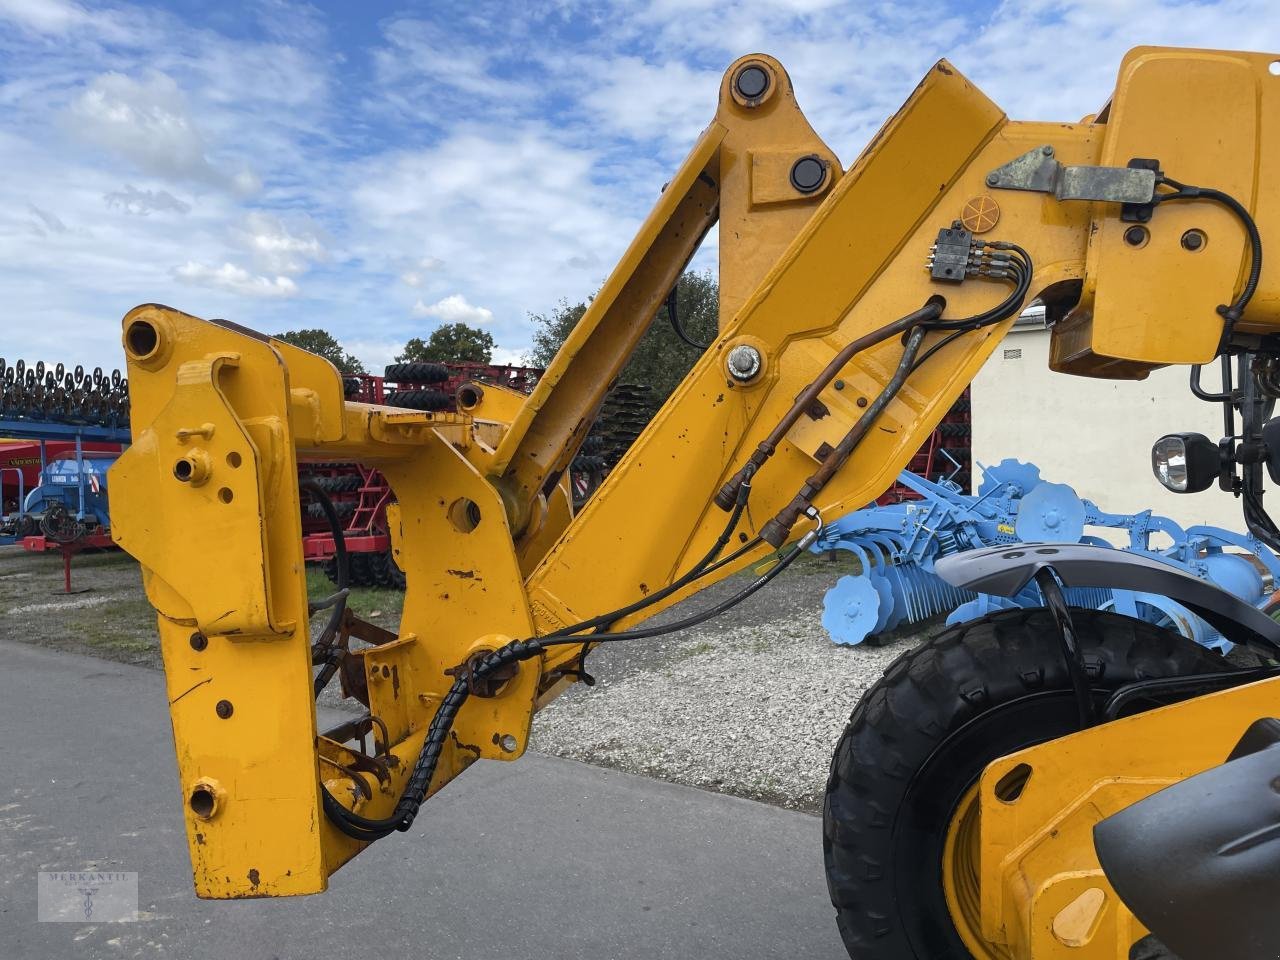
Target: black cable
698	570
1019	269
1015	264
419	782
674	316
936	347
1233	311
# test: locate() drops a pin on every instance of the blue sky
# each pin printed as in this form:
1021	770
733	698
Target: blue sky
379	168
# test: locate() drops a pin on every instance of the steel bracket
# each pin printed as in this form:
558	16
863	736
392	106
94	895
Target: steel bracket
1038	171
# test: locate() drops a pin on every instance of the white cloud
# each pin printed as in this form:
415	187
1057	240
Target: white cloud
147	122
277	248
503	356
536	227
416	275
374	354
235	279
453	309
510	157
52	223
648	101
145	202
44	16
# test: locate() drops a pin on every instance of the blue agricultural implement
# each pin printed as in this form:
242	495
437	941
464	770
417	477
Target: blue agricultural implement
69	504
896	546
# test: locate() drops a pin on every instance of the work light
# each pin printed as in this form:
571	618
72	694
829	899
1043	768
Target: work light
1185	462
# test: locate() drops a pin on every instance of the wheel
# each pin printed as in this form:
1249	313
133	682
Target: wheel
361	570
900	813
387	572
1149	948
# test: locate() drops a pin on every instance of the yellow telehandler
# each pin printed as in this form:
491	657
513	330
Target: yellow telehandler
1039	784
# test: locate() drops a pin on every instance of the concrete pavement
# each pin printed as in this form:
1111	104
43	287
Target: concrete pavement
543	858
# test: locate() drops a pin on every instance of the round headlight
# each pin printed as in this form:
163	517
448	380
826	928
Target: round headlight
1185	462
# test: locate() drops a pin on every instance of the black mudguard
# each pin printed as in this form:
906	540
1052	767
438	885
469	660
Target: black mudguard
1004	571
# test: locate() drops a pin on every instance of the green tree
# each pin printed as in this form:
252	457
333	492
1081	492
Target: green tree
321	342
661	359
450	343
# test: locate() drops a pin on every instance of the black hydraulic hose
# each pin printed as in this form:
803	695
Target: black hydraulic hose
674	316
777	529
321	650
419	782
1233	311
1055	600
699	569
930	311
364	829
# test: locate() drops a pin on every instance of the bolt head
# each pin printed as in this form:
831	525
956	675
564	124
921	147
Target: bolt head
1192	240
199	641
508	742
224	709
1135	236
1047	150
744	362
992	179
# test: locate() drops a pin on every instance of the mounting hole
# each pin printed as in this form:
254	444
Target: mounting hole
141	339
464	514
203	801
225	495
1009	787
469	396
1273	68
182	470
233	460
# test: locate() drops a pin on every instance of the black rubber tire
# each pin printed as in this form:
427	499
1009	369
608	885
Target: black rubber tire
344	509
1149	948
361	569
388	573
920	737
416	372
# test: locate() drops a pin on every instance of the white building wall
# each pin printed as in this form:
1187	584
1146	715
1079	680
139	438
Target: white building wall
1094	435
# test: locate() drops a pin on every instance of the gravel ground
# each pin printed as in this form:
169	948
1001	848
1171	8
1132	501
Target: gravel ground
750	704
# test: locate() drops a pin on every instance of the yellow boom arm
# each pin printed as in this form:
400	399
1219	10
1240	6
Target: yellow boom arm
806	382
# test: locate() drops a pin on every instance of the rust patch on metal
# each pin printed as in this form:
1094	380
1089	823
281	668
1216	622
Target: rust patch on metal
253	877
462	574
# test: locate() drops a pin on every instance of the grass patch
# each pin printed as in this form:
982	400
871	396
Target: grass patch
380	605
